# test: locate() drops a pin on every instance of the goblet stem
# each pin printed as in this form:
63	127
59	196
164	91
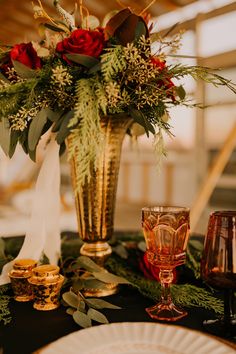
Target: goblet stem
166	278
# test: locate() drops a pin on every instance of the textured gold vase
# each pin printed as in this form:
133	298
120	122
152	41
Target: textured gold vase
95	200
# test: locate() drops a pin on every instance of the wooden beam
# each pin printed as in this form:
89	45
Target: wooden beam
226	60
212	178
190	24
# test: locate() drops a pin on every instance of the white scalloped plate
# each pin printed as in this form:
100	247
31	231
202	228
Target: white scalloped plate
136	338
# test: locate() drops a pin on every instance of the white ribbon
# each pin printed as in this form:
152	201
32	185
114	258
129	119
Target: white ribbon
43	233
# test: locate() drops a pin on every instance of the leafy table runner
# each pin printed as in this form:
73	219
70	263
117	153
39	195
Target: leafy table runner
30	329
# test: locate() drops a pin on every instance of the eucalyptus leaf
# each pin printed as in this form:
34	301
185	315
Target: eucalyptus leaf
5	135
32	154
53	116
107	277
97	316
82	306
82	319
82	59
13	142
121	251
70	311
95	68
2	249
101	304
88	264
180	92
94	284
57	125
78	285
64	131
24	71
142	246
36	128
198	245
62	149
71	299
139	117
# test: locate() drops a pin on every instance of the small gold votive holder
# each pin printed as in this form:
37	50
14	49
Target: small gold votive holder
19	275
46	283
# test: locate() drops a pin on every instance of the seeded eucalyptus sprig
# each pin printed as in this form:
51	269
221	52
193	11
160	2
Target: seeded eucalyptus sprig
88	275
85	310
96	277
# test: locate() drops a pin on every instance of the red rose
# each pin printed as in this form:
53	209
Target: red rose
26	54
82	41
149	271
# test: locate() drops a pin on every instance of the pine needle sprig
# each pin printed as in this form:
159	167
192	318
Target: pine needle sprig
190	296
186	295
203	73
5	314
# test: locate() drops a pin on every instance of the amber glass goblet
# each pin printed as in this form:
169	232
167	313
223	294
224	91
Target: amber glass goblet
166	231
218	268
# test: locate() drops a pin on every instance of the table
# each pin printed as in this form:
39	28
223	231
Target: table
31	329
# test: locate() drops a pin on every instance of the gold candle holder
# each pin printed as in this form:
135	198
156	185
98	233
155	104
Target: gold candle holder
19	275
46	283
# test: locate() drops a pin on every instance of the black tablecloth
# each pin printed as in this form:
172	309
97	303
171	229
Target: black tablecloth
31	329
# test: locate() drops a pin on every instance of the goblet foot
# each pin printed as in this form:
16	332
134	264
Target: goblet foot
221	327
166	312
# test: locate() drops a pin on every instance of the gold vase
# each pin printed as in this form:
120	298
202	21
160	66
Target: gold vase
95	200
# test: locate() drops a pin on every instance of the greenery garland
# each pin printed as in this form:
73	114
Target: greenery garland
127	248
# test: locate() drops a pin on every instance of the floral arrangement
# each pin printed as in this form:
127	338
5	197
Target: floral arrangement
81	70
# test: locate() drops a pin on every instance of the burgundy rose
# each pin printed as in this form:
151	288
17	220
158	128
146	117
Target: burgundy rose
167	83
170	88
151	271
158	63
82	41
26	54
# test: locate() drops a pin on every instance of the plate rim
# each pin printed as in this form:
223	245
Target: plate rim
221	341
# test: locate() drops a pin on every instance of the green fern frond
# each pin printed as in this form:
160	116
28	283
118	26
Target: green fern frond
86	139
101	97
113	61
